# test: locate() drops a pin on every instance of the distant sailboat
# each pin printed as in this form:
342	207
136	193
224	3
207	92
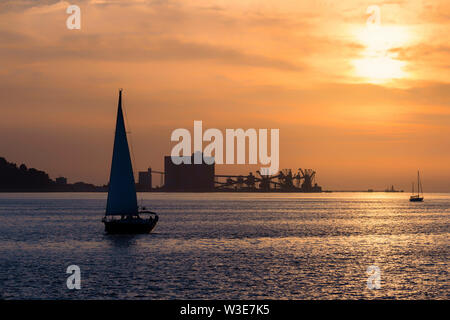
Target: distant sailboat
417	197
122	213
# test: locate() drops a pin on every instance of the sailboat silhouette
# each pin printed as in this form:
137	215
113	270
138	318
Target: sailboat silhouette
122	212
417	197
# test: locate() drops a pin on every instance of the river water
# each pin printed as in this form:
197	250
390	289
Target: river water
228	246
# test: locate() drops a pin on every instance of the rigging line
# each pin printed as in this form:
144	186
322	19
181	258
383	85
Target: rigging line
128	132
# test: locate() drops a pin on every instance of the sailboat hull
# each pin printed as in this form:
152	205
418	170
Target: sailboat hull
130	225
416	199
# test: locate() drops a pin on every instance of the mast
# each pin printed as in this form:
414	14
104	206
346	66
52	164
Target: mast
421	188
418	183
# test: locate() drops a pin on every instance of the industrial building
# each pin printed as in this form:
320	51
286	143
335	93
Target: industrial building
188	177
145	181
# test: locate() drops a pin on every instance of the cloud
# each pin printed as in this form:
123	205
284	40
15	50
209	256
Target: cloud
127	49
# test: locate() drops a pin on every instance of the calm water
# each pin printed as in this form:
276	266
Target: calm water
228	246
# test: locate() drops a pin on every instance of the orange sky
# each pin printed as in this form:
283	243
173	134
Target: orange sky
363	107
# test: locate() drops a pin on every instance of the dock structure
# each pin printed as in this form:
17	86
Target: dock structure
285	181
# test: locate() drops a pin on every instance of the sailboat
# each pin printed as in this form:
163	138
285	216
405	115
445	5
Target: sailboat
122	212
417	197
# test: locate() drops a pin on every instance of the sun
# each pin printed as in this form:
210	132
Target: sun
379	69
378	62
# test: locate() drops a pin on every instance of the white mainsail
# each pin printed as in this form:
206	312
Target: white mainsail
122	189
